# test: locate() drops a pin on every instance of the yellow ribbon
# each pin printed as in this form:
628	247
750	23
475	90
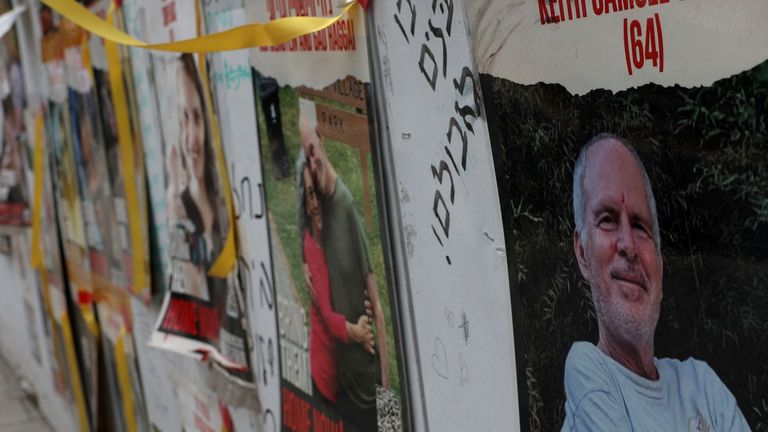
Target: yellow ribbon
247	36
90	319
74	373
124	378
125	140
85	49
225	262
36	251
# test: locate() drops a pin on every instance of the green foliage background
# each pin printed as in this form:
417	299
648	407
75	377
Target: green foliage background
706	150
283	208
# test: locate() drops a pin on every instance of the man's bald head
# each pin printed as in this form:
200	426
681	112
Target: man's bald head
579	172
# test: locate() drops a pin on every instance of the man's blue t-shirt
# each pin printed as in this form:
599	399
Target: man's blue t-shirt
603	395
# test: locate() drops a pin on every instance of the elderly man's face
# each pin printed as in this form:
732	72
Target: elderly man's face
619	257
314	150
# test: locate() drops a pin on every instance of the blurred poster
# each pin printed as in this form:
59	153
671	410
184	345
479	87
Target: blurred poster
95	194
202	315
200	409
82	343
233	87
198	224
15	194
149	134
122	272
123	389
685	85
154	365
339	362
91	161
30	299
60	403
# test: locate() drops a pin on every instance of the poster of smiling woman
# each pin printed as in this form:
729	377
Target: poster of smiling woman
203	312
630	145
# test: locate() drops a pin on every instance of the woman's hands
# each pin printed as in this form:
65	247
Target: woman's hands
362	333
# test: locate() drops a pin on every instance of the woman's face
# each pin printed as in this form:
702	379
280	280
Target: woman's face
313	203
192	127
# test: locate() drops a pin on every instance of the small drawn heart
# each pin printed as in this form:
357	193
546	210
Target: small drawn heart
440	359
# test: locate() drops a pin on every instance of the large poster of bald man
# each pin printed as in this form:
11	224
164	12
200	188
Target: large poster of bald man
634	201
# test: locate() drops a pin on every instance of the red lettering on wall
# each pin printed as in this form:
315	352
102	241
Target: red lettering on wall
321	423
295	412
169	13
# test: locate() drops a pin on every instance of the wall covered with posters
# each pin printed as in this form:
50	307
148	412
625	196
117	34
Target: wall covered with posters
269	298
377	225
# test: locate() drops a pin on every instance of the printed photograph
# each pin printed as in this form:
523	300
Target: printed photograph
636	226
52	293
197	212
92	179
66	165
337	345
73	237
15	194
207	312
120	250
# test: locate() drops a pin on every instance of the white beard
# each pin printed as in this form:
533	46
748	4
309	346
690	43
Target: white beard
613	314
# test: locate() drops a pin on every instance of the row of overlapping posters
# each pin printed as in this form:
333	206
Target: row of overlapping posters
257	210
